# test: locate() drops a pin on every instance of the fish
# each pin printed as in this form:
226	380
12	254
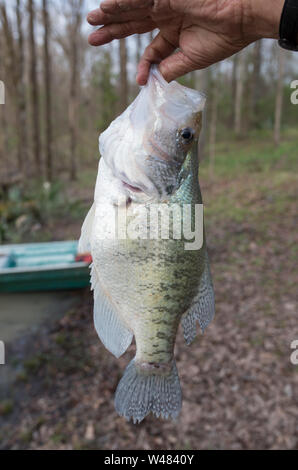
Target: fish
145	283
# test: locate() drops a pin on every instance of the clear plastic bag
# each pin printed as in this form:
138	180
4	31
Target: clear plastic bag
147	140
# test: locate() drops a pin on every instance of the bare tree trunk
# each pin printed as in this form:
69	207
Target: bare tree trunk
12	68
9	54
279	96
74	86
48	105
34	91
234	76
255	83
213	122
239	94
123	102
72	49
201	84
22	108
138	48
73	105
134	90
4	160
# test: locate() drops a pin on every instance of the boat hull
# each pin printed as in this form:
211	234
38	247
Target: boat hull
35	269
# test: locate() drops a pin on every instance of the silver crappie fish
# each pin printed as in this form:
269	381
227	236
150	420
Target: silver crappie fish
143	287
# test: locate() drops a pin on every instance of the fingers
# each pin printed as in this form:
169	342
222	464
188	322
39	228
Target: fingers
200	48
154	54
176	65
98	17
117	6
113	31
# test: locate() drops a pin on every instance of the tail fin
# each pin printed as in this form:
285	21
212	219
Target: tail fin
138	393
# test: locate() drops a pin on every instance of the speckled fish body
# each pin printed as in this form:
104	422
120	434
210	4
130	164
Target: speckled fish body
143	287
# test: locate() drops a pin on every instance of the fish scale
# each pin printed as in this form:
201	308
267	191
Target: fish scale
144	287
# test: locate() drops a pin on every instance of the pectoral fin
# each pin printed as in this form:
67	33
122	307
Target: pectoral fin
115	336
84	243
203	307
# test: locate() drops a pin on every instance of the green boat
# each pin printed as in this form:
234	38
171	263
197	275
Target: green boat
43	267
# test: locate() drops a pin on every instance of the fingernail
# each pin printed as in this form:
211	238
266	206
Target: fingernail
91	17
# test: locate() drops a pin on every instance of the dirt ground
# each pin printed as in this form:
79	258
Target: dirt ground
240	389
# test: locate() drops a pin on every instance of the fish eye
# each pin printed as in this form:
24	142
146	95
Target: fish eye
187	134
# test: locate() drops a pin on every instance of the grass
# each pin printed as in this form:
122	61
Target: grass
34	363
253	185
31	213
253	180
255	153
87	178
6	407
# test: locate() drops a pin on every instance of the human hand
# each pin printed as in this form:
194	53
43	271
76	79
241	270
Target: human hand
204	31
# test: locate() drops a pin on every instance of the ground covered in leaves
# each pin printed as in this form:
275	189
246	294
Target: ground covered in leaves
239	386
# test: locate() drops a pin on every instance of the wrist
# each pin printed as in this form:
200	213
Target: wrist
264	18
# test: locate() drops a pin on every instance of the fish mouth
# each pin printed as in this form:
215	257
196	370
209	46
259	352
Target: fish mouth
137	191
131	188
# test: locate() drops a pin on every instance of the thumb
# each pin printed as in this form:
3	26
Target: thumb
176	65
